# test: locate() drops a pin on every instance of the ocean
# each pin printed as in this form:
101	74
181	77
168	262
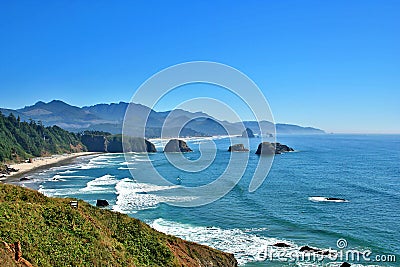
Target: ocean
287	208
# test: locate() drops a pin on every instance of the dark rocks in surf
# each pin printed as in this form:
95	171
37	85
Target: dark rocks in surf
248	133
24	179
102	203
267	148
176	145
281	245
237	148
280	148
308	249
345	264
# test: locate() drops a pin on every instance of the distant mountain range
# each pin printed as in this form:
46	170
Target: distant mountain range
109	118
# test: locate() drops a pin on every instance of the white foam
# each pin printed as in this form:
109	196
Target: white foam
56	177
57	192
133	196
108	156
62	177
144	159
68	172
127	163
93	164
244	244
126	168
88	166
246	247
326	199
99	183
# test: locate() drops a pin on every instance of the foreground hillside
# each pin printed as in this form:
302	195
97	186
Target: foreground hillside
52	233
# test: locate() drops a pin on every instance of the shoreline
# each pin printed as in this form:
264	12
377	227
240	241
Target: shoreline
42	163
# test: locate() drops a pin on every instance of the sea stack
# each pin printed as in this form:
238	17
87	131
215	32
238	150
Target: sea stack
267	148
237	148
139	144
176	145
248	133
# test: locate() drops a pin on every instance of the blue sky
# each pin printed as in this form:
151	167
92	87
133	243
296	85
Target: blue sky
329	64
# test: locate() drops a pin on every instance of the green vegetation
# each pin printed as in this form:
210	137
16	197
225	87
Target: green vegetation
21	140
52	233
95	133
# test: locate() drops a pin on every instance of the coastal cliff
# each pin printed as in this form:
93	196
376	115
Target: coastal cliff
114	144
52	233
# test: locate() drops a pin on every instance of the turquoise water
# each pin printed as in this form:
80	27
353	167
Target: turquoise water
363	169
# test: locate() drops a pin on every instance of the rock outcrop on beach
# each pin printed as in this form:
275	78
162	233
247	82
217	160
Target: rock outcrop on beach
176	145
6	170
55	234
267	148
248	133
237	148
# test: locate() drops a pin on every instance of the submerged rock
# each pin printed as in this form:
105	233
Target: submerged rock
176	145
267	148
248	133
237	148
102	203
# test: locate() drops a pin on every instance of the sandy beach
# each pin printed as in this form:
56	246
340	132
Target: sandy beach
40	162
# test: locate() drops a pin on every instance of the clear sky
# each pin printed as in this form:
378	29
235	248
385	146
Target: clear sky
329	64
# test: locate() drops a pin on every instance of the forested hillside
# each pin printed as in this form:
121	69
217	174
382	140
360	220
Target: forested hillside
20	140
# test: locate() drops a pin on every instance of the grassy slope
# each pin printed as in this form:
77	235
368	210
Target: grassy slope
54	234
